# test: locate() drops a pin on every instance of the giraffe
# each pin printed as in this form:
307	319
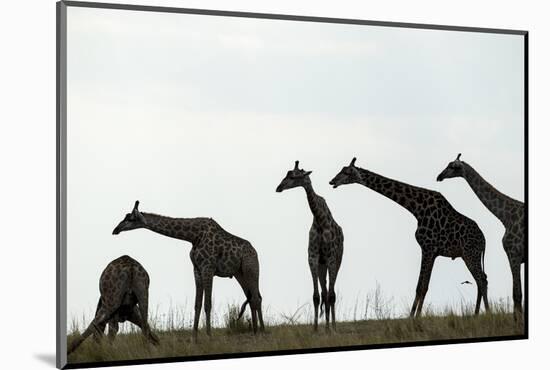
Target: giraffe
214	252
326	244
441	230
509	211
124	287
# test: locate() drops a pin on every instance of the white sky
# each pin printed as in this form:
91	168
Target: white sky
202	116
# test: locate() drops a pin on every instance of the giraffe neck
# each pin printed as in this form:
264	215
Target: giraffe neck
318	206
409	197
494	200
188	229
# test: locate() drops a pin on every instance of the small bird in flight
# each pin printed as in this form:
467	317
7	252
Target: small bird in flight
466	282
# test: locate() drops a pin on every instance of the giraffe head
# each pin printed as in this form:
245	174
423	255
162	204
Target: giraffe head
294	178
132	220
454	169
347	175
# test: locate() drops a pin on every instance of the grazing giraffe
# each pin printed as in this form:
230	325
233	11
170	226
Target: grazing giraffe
124	286
509	211
326	244
441	230
214	252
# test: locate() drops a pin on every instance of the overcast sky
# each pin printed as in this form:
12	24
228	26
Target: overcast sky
203	116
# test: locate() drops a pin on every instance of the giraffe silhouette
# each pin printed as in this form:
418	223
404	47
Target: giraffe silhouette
326	244
509	211
124	287
441	230
214	252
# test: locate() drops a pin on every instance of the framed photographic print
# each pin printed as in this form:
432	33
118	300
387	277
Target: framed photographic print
240	184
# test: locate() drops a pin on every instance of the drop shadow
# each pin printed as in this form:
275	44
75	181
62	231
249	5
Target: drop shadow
47	358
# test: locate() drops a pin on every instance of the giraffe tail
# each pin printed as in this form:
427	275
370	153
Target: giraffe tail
321	308
243	307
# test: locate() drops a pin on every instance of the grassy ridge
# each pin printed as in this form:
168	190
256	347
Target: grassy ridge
235	337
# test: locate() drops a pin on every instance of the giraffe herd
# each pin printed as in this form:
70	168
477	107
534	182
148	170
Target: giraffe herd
441	231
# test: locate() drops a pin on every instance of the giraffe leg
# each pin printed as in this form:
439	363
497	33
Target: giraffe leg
255	300
332	275
252	297
96	327
514	252
478	298
473	263
515	266
256	310
81	338
207	280
199	290
141	290
423	283
260	314
99	332
136	319
100	329
314	276
322	275
249	281
113	330
245	285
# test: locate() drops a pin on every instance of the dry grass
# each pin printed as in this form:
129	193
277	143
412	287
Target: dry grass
287	333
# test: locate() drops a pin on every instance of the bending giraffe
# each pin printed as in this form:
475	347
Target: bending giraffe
214	252
441	230
509	211
124	288
326	244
